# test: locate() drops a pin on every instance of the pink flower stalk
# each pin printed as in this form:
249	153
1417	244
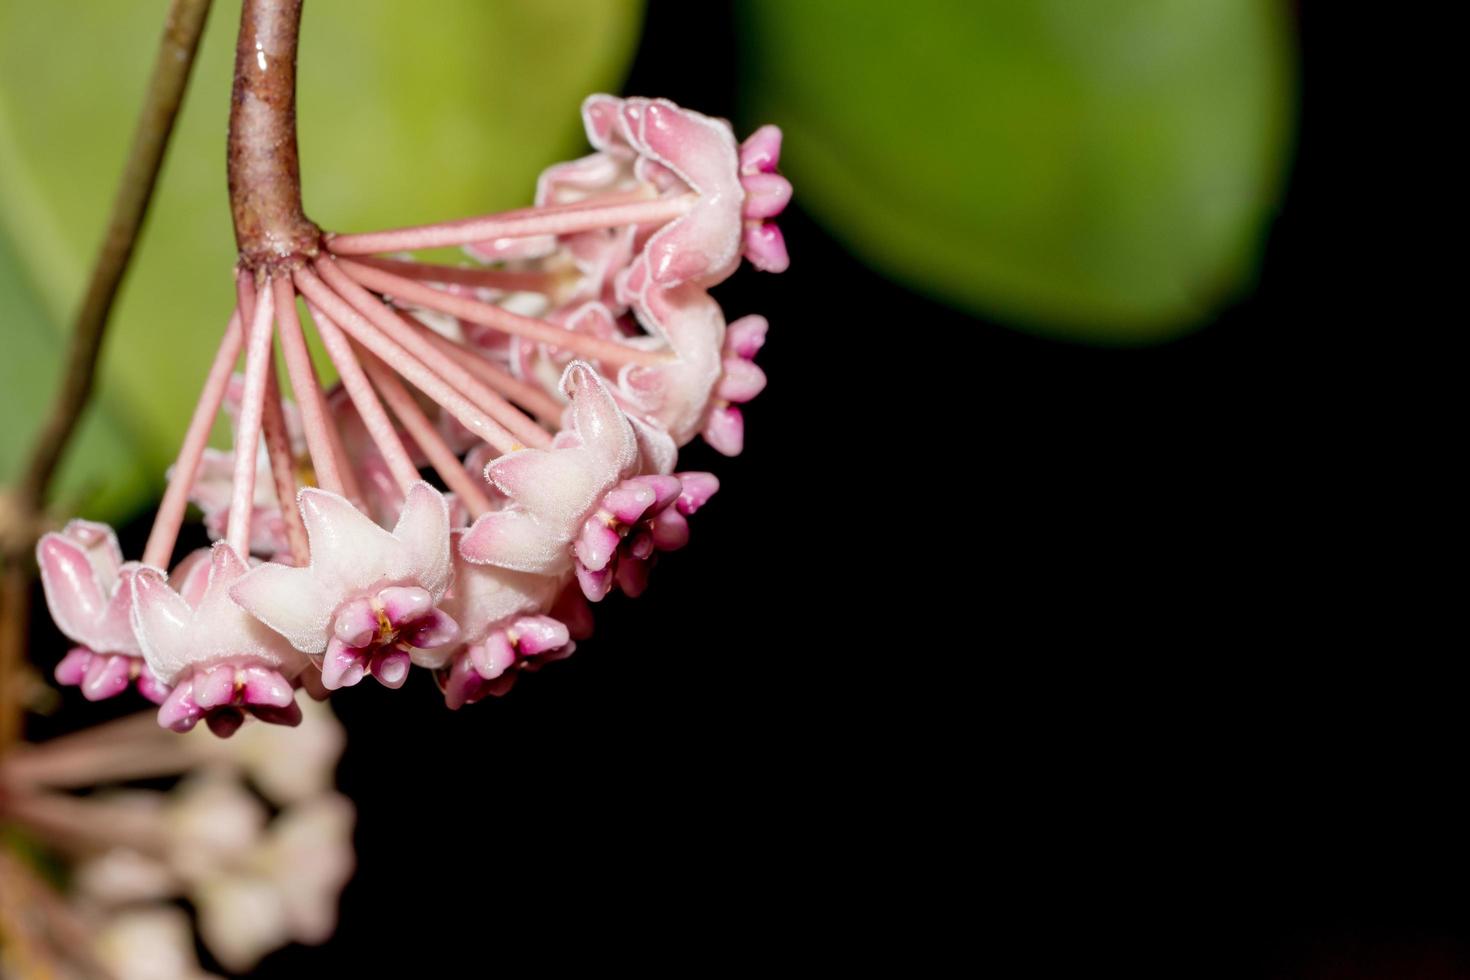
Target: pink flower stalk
89	589
547	393
214	484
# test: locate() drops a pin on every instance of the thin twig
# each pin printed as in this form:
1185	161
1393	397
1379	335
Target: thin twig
15	595
23	508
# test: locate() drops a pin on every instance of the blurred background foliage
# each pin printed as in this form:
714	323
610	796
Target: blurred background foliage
1101	171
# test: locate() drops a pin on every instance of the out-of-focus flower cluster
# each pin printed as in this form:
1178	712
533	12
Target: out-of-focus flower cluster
252	839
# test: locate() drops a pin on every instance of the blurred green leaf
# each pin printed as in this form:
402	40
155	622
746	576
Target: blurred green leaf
408	113
102	467
1100	170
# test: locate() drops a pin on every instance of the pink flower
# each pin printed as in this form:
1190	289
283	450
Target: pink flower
604	480
221	661
465	371
367	602
676	396
637	517
484	597
501	616
491	666
552	491
89	589
680	150
214	481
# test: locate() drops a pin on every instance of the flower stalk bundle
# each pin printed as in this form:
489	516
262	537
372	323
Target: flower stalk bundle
500	453
546	384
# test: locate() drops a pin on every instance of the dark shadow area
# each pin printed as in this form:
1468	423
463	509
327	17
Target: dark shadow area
1047	650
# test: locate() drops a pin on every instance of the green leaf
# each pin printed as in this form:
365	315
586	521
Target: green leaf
408	113
1100	170
102	470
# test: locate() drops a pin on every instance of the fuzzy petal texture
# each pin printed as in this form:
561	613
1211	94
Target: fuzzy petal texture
351	556
484	596
703	246
678	396
176	637
513	539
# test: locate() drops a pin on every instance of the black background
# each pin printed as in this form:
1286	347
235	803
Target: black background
991	651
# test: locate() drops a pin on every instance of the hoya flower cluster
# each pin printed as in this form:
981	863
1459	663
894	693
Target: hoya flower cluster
251	835
546	384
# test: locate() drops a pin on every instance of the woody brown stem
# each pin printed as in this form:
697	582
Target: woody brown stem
271	230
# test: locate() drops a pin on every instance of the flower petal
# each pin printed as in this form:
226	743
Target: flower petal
725	430
433	631
746	336
73	667
261	686
178	711
514	540
632	576
290	601
342	665
107	676
493	657
554	485
423	528
535	635
595	584
74	592
390	667
765	247
670	530
742	380
347	548
766	195
160	618
696	488
460	684
761	150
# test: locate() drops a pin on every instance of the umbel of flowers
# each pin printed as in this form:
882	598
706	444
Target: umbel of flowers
249	832
547	383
